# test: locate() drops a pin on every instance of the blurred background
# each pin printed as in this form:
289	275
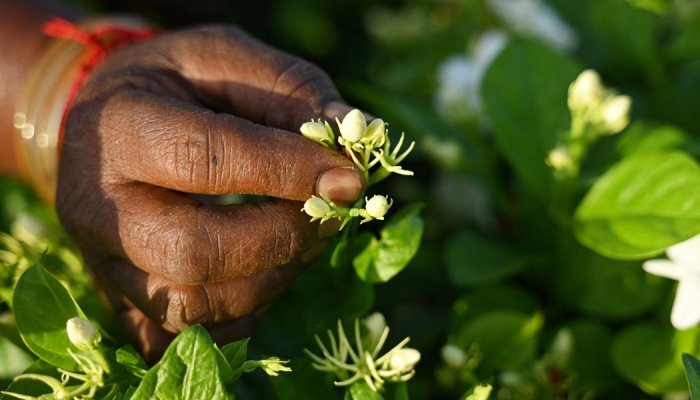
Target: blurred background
501	292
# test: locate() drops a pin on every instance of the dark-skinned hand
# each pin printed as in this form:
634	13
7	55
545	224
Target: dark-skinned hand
208	110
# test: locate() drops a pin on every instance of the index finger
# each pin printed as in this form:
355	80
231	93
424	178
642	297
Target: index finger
180	146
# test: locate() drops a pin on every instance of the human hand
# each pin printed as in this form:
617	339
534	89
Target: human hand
207	110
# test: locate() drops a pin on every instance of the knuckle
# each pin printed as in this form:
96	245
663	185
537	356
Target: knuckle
187	306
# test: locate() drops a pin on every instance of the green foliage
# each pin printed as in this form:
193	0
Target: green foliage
188	370
651	356
42	306
525	98
383	258
692	373
635	211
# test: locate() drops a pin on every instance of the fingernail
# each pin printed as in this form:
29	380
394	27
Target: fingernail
341	185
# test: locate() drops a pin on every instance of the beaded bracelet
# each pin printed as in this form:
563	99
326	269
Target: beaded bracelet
53	84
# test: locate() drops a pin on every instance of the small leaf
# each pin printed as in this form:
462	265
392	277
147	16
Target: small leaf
692	373
188	370
382	259
42	306
131	360
643	205
235	354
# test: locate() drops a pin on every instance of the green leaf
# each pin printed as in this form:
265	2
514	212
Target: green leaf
131	360
188	370
382	259
348	247
361	391
235	354
472	260
641	206
304	380
42	306
13	359
597	285
524	95
650	356
692	373
645	137
506	339
32	387
491	298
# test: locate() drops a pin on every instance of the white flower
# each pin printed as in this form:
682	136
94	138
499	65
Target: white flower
585	91
453	355
316	207
377	206
536	18
683	266
83	333
353	127
459	77
614	113
404	359
375	324
318	132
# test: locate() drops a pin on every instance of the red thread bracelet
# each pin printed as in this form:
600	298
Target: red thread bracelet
99	42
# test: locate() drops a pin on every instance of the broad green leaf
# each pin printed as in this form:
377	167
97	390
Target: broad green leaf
348	247
382	259
13	359
188	370
42	306
588	282
650	356
524	95
506	339
401	391
692	373
235	354
473	260
361	391
641	206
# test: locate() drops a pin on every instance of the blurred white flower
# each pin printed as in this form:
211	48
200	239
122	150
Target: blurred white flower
375	324
614	113
535	18
453	355
683	266
459	77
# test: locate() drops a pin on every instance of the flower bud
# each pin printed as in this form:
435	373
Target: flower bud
375	324
83	333
453	356
614	113
585	90
354	126
560	159
376	133
404	359
317	132
377	207
316	207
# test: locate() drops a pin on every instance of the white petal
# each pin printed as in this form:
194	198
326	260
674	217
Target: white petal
686	306
687	252
665	268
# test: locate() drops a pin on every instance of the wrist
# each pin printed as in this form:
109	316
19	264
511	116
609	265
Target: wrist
64	65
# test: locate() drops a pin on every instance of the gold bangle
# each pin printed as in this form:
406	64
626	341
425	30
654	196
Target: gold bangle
40	111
